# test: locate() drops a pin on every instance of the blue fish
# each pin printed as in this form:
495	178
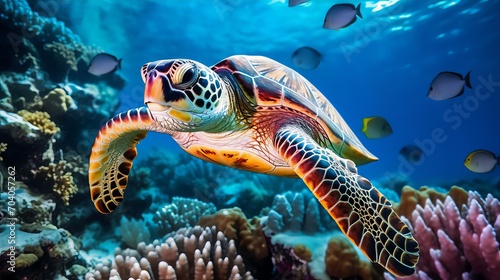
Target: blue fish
293	3
447	85
306	58
341	16
104	63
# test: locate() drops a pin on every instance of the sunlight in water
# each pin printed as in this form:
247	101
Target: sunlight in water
379	5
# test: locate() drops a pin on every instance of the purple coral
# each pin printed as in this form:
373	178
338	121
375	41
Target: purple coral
457	244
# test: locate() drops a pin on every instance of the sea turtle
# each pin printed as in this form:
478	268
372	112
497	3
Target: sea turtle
253	113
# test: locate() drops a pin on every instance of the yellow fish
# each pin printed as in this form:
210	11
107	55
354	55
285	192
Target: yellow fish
376	127
481	161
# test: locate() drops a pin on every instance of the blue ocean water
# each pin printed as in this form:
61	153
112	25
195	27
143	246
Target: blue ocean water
381	65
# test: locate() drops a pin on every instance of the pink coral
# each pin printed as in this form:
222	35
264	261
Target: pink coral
457	244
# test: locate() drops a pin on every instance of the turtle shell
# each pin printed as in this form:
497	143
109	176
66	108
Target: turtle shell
274	84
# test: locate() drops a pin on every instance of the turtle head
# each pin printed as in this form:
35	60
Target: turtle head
182	89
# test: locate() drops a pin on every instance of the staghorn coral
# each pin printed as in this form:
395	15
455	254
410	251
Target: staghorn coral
57	102
59	179
410	198
290	212
182	212
40	120
343	261
134	231
190	253
247	234
3	148
457	243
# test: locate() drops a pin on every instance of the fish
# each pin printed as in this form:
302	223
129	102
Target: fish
376	127
293	3
104	63
341	16
306	58
412	153
448	85
481	161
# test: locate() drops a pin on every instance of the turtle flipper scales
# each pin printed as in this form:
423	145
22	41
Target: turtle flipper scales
112	155
360	210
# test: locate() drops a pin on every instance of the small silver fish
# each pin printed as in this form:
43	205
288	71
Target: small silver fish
341	16
104	63
481	161
412	153
376	127
306	58
447	85
293	3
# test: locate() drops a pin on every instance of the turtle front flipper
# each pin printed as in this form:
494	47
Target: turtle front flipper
112	155
360	210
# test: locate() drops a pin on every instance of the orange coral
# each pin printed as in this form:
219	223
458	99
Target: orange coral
342	261
410	197
40	120
234	224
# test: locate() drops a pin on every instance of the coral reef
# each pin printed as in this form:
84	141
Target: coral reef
182	212
57	177
41	252
457	243
290	212
342	261
134	232
57	102
247	234
189	253
15	128
3	148
410	198
40	120
33	209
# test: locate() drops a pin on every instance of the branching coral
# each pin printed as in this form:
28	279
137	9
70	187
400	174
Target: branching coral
182	212
3	148
290	212
40	120
457	244
247	234
59	178
192	253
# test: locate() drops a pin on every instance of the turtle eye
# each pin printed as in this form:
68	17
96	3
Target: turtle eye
186	76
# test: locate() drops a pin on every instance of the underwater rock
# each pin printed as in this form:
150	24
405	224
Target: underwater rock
42	251
33	209
189	253
17	129
182	212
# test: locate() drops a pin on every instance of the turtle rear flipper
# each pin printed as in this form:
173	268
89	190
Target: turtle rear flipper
112	155
360	210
